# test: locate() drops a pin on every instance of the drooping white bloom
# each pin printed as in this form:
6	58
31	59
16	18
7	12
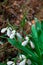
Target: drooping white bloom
9	31
22	57
32	45
29	62
23	62
18	35
10	63
27	38
3	30
24	43
13	34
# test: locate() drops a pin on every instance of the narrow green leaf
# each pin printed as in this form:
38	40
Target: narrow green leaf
34	32
38	24
35	39
3	64
42	24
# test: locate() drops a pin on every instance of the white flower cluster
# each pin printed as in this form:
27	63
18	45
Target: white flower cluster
11	33
24	43
23	62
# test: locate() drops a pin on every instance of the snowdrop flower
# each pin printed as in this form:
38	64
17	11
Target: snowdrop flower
9	31
10	63
13	34
27	38
24	43
13	31
18	35
22	62
3	30
29	62
32	45
22	57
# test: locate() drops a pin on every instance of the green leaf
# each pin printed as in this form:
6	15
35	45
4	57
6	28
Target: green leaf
39	28
34	32
42	25
23	21
38	24
41	41
34	63
35	39
3	64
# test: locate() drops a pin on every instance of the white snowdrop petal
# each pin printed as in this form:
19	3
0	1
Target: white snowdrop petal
17	63
10	63
27	38
18	35
24	43
3	30
32	45
22	57
8	32
12	36
29	62
23	62
14	31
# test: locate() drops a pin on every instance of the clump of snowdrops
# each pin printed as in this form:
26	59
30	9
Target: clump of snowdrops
31	46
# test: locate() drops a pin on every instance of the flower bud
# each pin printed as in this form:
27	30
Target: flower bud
10	63
3	30
23	62
32	45
24	43
29	62
8	32
18	35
